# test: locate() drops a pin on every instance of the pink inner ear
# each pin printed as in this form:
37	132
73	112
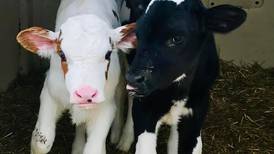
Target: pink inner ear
40	42
130	38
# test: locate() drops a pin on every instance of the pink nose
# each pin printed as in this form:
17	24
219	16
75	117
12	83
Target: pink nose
85	95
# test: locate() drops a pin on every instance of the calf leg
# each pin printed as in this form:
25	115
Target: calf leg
146	143
44	132
119	119
144	128
98	129
198	148
189	129
189	142
127	137
79	140
173	140
117	126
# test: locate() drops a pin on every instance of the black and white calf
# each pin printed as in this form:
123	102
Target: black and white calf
173	70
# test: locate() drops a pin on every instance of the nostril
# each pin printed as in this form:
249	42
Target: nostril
89	100
139	78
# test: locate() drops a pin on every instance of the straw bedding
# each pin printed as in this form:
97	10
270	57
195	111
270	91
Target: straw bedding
240	120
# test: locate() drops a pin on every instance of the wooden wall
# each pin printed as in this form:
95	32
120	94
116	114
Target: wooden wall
16	15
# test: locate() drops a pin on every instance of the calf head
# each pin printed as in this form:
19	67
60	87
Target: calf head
83	44
171	36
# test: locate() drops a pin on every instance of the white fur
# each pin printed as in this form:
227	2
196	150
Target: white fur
152	1
46	51
172	118
85	58
175	113
44	132
178	1
173	140
98	128
146	143
117	35
86	26
198	148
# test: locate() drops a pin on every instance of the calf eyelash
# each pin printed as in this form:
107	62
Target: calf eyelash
61	54
107	58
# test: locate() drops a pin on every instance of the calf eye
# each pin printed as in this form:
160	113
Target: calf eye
175	40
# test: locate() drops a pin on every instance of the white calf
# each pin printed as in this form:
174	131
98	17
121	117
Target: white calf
83	75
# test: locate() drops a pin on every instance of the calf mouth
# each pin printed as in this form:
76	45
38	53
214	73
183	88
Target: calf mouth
88	104
85	105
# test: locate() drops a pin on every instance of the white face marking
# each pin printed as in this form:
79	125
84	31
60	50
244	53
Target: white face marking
175	113
180	78
176	1
85	42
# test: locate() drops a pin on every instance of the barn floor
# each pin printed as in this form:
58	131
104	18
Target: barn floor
240	120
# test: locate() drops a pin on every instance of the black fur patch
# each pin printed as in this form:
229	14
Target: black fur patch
162	139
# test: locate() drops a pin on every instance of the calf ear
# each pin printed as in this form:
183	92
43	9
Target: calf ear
224	18
124	37
38	40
